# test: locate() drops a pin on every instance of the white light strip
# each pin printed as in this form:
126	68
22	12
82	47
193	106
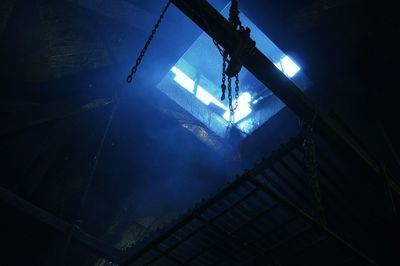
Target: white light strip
242	110
207	98
288	66
183	80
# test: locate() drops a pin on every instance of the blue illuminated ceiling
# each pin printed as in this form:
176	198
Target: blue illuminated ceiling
194	83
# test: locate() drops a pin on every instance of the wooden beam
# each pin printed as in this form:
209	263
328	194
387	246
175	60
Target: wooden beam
43	114
218	28
70	41
121	11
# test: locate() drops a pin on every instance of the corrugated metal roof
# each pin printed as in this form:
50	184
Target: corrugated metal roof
266	217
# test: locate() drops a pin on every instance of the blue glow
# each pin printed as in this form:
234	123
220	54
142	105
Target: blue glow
243	102
203	95
243	108
183	79
288	66
198	72
207	98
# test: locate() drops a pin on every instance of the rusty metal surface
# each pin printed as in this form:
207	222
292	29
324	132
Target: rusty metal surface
268	214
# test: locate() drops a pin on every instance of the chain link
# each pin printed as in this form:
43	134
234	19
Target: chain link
236	92
230	95
220	49
310	159
147	44
223	86
235	21
234	12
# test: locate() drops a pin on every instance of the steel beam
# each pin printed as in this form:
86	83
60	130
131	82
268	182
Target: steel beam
309	219
135	253
218	28
138	251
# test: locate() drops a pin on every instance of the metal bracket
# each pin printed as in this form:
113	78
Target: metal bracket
243	47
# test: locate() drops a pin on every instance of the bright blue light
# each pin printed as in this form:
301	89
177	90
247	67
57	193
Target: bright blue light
207	98
198	72
243	102
288	66
243	108
182	79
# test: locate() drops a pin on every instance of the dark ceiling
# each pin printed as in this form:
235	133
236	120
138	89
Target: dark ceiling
68	149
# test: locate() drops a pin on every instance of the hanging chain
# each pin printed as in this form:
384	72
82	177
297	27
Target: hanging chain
233	104
236	92
230	95
223	86
310	159
148	42
234	19
234	12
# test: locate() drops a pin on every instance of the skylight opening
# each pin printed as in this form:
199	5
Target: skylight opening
243	103
288	66
182	79
243	108
207	98
195	84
